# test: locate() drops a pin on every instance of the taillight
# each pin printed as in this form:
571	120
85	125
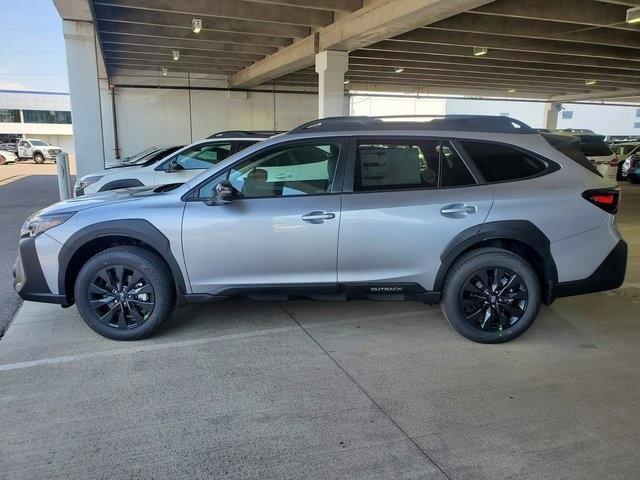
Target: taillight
615	161
605	198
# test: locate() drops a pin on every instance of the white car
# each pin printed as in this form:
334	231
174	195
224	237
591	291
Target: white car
177	167
7	157
597	151
38	150
145	157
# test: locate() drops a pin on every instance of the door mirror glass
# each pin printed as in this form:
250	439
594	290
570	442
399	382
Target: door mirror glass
223	193
173	166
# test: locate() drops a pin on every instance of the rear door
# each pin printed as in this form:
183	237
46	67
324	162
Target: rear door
409	198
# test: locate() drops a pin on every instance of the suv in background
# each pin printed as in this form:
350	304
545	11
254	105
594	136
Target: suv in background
625	151
177	167
38	150
597	151
145	157
482	214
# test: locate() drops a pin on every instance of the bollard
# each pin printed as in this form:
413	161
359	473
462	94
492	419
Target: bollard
64	176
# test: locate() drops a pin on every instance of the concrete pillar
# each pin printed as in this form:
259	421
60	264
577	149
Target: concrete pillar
551	115
331	67
84	90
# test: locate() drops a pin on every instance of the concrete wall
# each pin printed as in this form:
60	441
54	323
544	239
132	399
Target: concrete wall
152	116
602	119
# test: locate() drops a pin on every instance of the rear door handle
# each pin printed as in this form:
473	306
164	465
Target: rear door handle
458	210
318	216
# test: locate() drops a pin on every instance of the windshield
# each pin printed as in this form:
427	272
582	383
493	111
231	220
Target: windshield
137	156
38	143
571	147
594	146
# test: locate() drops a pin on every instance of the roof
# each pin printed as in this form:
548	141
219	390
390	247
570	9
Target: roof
468	123
244	134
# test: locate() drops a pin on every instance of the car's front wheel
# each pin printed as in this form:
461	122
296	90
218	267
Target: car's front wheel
491	295
125	293
38	158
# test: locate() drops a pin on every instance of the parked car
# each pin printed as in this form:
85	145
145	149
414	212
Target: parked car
631	168
145	157
37	150
623	151
482	214
7	157
597	151
176	167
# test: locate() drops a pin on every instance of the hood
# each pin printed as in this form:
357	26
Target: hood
110	170
109	197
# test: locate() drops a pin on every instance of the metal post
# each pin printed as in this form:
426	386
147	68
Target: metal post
64	176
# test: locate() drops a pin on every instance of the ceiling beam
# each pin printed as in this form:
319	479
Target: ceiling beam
374	22
425	60
178	43
580	12
188	35
181	20
184	52
143	66
622	93
238	9
331	5
433	36
538	29
465	51
167	60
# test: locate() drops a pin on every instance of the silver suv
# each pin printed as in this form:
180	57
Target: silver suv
481	214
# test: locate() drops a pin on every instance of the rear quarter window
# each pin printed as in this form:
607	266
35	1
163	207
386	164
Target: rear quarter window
570	146
499	163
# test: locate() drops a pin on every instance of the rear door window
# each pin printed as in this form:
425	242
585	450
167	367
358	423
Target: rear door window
499	163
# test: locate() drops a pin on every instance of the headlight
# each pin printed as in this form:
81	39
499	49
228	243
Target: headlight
37	224
86	181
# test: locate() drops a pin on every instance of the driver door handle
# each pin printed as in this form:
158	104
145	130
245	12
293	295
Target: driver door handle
318	216
458	210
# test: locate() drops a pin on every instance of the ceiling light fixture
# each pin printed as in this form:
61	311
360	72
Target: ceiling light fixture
176	55
346	82
196	25
512	90
590	82
399	70
479	51
164	71
633	15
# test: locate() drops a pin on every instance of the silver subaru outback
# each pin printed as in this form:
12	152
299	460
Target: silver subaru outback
481	214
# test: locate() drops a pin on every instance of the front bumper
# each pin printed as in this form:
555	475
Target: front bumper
608	276
28	279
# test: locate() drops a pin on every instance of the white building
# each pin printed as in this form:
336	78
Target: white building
42	115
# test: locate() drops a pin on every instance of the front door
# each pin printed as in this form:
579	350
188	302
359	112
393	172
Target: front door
280	230
188	163
410	198
24	149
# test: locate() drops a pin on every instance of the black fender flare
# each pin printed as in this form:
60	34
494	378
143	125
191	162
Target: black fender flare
519	230
124	183
137	229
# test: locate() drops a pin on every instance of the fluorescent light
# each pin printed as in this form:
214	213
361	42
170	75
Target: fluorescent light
399	70
590	82
164	71
176	55
512	90
633	15
346	82
196	25
479	51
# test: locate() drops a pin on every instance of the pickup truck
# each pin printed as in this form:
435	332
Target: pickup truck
37	150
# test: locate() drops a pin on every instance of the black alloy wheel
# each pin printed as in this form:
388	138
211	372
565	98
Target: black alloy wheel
494	299
121	297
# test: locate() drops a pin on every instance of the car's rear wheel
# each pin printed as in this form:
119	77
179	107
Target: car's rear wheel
491	295
3	160
38	158
125	293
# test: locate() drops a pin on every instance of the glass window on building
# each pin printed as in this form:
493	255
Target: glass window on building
9	116
567	114
46	116
636	125
637	112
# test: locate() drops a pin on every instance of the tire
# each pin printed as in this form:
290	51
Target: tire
503	322
95	298
38	158
3	160
633	179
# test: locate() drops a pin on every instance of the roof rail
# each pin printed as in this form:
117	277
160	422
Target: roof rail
244	133
475	123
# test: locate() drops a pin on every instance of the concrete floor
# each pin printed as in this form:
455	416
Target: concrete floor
249	390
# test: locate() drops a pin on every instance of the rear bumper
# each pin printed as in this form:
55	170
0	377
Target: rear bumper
28	279
608	276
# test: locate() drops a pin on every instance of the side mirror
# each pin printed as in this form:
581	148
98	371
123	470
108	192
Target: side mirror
222	194
173	166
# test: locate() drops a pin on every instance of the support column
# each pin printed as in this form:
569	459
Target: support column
331	67
84	90
551	115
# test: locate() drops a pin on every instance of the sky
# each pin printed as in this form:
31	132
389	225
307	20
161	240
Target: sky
32	53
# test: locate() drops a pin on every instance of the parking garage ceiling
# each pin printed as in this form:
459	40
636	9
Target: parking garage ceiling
560	50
